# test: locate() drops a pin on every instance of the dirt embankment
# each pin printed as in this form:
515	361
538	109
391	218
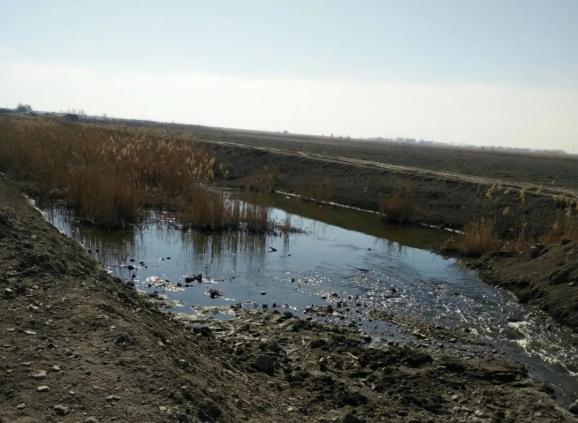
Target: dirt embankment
438	200
546	276
80	346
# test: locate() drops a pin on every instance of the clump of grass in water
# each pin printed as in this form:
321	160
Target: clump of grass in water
211	211
110	176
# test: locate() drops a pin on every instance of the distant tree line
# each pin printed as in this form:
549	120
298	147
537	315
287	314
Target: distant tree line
24	108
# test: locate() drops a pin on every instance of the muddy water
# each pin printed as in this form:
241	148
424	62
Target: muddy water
385	279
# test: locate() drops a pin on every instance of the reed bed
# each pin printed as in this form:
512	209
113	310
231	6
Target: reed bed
111	176
211	210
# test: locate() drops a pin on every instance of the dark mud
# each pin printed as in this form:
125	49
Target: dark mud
79	345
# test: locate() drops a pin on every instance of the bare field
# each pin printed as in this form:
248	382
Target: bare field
546	170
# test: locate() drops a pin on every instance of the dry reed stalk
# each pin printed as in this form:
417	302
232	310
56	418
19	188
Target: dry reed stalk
400	207
109	176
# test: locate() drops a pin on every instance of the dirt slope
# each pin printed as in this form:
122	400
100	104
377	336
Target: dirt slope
546	276
406	170
445	200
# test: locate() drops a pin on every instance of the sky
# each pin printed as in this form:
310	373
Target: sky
484	72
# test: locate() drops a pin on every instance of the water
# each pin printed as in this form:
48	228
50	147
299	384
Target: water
342	257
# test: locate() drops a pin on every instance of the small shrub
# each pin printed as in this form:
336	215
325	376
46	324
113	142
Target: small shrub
317	191
400	207
479	238
266	181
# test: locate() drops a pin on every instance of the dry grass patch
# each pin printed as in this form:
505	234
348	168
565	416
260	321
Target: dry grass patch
211	210
479	238
564	229
523	241
400	207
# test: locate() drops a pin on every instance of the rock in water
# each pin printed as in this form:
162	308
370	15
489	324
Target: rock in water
198	278
214	293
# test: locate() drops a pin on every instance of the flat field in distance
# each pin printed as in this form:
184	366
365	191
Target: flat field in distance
543	169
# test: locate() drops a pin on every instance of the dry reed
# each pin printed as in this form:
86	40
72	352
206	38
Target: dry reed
400	207
110	176
211	210
564	229
479	238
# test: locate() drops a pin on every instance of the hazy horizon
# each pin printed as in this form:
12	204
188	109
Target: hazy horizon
497	73
108	117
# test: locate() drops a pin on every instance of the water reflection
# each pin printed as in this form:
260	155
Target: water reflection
108	245
320	217
230	242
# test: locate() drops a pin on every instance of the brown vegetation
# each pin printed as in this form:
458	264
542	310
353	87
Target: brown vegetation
212	210
316	190
264	181
479	238
110	176
563	229
400	207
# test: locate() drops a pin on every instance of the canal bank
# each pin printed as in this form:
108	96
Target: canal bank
78	344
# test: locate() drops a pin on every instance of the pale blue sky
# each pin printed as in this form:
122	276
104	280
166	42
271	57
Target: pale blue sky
367	57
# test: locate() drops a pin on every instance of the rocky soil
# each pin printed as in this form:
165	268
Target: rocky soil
77	345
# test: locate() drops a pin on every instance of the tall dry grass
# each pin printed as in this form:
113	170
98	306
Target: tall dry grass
563	229
400	206
110	176
479	238
212	211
